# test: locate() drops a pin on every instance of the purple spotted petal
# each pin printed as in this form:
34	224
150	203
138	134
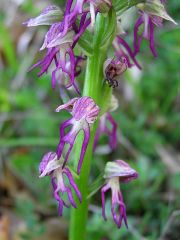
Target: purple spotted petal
86	108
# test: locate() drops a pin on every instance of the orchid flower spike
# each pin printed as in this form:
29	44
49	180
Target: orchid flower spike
115	173
84	113
50	165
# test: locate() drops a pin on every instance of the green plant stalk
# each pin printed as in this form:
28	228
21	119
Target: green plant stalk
92	88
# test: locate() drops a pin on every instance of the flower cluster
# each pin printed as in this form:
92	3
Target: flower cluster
66	30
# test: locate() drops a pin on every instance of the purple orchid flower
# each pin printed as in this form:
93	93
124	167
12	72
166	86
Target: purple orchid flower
64	72
152	13
103	129
51	165
60	52
59	42
148	33
116	172
123	50
84	113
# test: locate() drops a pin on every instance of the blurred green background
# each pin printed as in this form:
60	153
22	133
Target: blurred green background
149	129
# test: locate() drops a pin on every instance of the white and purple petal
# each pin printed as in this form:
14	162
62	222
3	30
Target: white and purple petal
48	16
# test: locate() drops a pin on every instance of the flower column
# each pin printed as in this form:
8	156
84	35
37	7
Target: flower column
103	35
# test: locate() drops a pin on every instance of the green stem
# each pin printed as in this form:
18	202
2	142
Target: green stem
123	5
93	89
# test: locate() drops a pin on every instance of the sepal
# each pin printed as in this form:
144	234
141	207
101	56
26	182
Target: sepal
155	7
121	169
49	15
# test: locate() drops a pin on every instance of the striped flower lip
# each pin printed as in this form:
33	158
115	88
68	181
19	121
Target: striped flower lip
52	166
84	113
115	173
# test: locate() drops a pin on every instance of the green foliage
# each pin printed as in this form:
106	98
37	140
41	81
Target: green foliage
26	209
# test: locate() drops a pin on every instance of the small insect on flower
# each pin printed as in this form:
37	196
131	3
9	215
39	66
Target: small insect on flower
113	69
